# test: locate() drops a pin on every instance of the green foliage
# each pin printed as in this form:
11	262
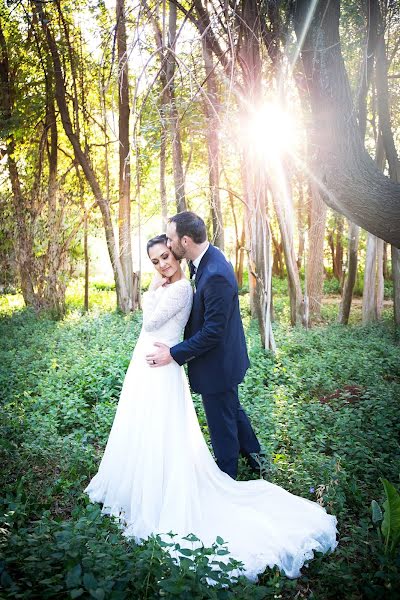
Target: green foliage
325	408
331	285
87	556
391	517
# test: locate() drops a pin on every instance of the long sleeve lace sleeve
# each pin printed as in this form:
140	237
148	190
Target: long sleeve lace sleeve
162	305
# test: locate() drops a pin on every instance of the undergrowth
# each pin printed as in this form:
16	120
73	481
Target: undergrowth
325	406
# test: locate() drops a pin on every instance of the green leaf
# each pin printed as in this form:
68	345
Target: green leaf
191	538
391	520
377	514
99	594
5	579
73	577
219	540
76	593
89	581
186	552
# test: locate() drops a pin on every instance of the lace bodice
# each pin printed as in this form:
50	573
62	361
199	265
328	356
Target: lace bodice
166	310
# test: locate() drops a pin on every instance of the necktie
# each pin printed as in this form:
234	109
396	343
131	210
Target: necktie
192	269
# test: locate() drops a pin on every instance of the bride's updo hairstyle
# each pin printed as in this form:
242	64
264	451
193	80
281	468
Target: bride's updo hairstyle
159	239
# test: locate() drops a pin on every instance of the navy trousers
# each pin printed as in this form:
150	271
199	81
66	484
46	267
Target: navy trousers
230	429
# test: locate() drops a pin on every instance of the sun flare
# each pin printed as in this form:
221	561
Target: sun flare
270	131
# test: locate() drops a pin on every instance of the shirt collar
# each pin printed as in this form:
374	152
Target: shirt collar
196	262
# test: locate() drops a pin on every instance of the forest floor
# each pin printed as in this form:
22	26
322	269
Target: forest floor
326	407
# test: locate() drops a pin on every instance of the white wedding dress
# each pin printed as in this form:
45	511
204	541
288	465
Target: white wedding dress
158	476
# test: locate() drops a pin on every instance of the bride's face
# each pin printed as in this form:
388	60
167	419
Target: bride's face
163	260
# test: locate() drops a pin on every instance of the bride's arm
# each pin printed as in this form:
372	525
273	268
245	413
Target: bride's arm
157	311
150	298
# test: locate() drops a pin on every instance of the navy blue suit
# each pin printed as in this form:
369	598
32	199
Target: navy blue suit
215	350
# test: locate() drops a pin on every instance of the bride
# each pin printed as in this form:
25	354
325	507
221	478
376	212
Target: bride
157	474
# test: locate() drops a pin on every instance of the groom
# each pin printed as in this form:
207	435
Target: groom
214	345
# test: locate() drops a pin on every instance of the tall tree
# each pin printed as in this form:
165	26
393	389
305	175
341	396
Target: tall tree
177	155
373	270
168	110
212	117
82	157
366	72
124	219
25	259
382	90
258	228
283	203
350	183
352	262
335	239
31	147
373	280
315	253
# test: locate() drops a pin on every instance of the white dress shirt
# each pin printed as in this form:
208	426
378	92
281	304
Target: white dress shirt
196	262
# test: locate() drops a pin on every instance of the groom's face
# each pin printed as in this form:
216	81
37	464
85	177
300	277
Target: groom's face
174	242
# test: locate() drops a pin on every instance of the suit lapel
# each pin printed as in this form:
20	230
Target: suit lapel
203	263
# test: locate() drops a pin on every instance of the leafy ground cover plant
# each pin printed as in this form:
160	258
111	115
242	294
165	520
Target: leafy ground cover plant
326	408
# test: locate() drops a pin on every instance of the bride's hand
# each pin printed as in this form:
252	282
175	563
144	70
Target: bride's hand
157	282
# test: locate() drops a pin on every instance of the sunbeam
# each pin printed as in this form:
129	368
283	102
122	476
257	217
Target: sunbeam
300	41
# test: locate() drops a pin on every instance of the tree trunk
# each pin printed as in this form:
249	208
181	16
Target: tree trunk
368	304
354	231
315	218
338	260
24	245
385	127
240	250
367	64
211	112
258	237
351	183
352	262
167	79
383	104
240	242
24	249
386	274
258	232
54	293
372	276
163	160
277	265
159	34
380	283
284	212
300	224
396	284
315	254
124	217
177	157
123	300
86	256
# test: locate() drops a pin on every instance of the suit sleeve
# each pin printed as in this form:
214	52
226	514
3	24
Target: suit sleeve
218	298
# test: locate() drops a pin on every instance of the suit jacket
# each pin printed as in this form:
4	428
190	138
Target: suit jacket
214	346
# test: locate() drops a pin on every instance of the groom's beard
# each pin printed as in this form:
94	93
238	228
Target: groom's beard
178	251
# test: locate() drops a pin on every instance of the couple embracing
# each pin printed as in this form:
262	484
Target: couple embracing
157	474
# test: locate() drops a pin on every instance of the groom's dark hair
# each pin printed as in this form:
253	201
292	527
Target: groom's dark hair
190	224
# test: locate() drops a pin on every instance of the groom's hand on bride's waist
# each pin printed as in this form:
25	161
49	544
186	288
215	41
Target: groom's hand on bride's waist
160	357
